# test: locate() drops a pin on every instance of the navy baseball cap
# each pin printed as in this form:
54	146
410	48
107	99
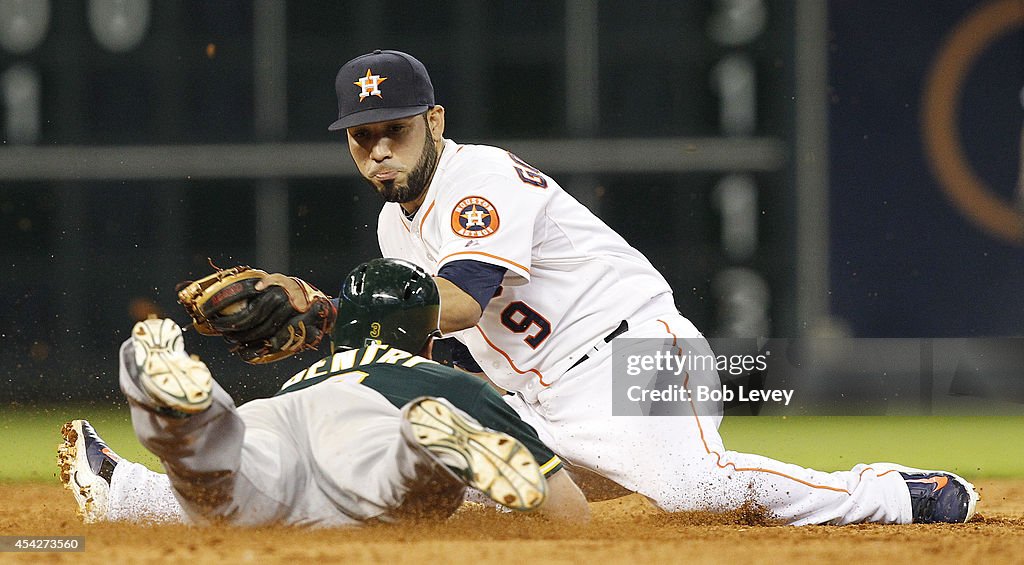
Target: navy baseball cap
381	86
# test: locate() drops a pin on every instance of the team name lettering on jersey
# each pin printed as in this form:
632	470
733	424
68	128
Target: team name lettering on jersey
345	361
528	173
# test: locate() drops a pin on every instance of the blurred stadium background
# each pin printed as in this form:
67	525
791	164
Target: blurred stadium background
794	168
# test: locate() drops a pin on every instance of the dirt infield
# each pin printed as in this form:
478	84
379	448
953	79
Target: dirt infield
624	530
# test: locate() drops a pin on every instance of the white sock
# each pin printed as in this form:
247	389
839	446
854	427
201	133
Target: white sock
138	494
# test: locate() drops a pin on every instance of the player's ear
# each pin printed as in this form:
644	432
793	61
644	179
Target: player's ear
435	121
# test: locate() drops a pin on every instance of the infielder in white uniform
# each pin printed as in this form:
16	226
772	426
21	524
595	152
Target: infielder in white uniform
539	289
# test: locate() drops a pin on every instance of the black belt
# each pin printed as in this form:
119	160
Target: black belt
623	328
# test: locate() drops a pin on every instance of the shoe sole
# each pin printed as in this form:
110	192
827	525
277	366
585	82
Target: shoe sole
173	378
89	489
494	463
972	492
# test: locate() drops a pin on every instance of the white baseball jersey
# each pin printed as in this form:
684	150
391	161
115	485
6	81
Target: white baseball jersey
486	204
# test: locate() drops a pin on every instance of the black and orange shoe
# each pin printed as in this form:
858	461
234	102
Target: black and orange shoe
936	496
940	497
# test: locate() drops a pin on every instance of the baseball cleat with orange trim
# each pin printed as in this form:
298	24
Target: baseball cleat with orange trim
86	466
937	496
492	462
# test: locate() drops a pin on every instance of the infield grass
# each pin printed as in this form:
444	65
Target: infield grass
987	446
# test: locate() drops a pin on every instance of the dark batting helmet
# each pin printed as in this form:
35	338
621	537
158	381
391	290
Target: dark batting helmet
388	301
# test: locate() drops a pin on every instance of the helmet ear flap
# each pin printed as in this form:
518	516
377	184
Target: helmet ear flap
390	301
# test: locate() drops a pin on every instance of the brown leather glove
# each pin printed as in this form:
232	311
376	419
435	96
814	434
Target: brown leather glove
265	317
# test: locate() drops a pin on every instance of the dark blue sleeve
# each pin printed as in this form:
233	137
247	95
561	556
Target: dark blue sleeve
449	351
462	359
477	279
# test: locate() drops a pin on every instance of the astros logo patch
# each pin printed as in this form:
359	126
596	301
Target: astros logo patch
370	85
474	217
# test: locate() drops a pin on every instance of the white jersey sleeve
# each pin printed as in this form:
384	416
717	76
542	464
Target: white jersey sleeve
491	214
570	279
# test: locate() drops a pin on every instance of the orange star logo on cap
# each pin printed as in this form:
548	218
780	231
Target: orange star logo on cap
370	85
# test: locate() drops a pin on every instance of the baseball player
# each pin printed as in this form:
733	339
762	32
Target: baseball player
353	438
541	291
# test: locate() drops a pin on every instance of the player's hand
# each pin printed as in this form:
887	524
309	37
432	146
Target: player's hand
265	317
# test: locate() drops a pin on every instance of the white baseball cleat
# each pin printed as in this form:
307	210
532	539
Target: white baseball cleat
171	377
492	462
86	465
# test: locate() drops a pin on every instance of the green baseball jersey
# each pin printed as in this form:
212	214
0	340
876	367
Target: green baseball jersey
401	377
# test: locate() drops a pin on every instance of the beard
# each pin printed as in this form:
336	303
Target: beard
418	180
